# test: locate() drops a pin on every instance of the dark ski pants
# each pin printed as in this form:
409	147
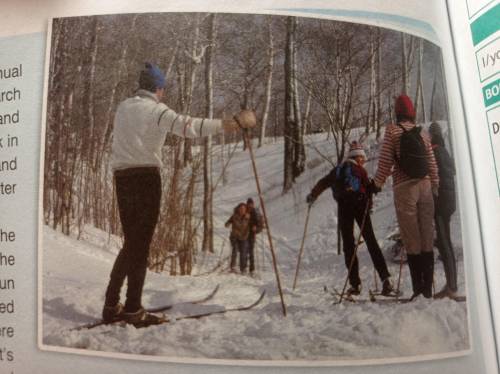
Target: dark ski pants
138	191
348	212
234	252
446	252
251	252
239	247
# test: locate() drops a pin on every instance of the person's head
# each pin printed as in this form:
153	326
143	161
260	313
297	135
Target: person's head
405	111
357	153
152	79
242	209
250	203
436	134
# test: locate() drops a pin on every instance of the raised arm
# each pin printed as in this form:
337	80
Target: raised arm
324	183
386	159
190	127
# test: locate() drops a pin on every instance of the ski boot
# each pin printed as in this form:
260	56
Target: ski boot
427	261
113	313
353	291
142	318
446	292
388	288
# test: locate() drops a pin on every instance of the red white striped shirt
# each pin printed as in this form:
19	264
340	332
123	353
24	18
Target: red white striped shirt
389	153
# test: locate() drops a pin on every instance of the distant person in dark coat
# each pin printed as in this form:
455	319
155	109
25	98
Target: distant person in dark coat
240	233
256	226
445	205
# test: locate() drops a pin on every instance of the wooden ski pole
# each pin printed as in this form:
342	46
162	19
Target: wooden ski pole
339	236
355	251
266	222
400	270
302	247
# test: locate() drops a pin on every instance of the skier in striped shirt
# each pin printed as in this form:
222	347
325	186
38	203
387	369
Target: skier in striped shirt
413	196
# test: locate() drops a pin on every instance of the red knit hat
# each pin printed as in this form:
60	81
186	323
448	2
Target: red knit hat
404	108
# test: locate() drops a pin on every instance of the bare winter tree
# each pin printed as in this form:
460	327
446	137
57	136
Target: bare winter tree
336	76
336	82
208	229
269	80
419	95
290	120
294	156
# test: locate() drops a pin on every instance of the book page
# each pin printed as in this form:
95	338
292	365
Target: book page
475	26
96	196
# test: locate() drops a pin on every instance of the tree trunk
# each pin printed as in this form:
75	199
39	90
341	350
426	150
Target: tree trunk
371	101
299	163
289	115
269	80
306	121
433	96
208	230
378	104
404	65
421	83
195	59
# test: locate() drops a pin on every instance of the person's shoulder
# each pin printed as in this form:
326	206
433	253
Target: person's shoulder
126	102
125	107
440	151
392	130
424	133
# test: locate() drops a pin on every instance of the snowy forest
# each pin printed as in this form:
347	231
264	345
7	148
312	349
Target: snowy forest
315	86
302	76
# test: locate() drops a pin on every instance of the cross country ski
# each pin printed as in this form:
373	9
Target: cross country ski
158	309
166	319
377	297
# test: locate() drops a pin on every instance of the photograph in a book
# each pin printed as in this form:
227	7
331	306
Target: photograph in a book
248	187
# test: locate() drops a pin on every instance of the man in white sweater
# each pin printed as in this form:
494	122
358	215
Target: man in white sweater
140	127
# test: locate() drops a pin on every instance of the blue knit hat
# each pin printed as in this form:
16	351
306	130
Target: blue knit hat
152	77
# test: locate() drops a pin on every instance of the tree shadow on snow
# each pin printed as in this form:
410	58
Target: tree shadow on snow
58	309
157	298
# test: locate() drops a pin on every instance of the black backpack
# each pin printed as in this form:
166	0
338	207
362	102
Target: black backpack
413	153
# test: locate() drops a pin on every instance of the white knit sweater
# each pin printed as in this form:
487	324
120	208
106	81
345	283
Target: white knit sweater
141	125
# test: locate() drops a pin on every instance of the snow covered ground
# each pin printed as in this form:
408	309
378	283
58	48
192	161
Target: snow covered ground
75	274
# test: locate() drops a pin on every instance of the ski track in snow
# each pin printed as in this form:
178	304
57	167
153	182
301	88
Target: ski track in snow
75	273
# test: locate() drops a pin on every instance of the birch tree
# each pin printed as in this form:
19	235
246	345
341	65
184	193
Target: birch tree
208	230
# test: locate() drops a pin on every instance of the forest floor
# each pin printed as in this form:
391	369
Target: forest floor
75	274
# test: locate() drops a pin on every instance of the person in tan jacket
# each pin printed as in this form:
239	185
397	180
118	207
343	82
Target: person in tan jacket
240	235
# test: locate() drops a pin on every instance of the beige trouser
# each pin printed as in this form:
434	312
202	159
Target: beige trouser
415	211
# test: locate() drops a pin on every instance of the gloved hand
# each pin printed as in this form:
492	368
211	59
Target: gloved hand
310	199
246	119
435	191
372	188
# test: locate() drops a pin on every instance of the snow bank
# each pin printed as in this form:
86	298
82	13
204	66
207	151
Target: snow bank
75	274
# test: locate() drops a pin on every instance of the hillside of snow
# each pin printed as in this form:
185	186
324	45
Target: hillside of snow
75	274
